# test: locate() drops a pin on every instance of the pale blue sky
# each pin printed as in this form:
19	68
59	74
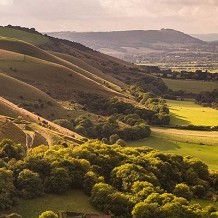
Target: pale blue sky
190	16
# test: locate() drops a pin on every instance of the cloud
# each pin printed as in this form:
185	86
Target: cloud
6	2
103	15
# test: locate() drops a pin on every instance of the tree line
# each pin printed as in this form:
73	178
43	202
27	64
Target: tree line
120	181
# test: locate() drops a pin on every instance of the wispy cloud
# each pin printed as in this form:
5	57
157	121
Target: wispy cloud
103	15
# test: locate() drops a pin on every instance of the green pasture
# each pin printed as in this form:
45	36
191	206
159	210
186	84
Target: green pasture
74	200
187	112
190	85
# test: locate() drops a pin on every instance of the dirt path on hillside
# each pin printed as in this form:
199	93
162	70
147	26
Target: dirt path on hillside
29	140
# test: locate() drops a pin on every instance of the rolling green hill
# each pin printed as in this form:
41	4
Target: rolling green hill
31	37
30	50
59	81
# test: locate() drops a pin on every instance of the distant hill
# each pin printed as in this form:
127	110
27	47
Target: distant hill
206	37
133	38
140	46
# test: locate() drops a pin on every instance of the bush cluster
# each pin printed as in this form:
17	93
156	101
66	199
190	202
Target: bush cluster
120	181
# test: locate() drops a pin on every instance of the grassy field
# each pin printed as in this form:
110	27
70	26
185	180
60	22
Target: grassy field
74	200
70	63
190	85
25	50
35	39
82	64
204	147
187	112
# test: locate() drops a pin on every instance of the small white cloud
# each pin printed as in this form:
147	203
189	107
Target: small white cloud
6	2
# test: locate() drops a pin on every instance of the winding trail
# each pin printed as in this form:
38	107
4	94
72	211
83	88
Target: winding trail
29	140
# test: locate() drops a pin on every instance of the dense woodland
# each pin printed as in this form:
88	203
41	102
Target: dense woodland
120	119
120	181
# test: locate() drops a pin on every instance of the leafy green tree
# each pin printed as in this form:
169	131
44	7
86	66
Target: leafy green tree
119	205
6	188
8	149
39	165
29	184
124	176
100	195
172	210
76	169
146	210
48	214
90	179
58	182
142	190
200	168
113	138
182	190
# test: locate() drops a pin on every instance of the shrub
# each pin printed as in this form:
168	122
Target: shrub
29	184
182	190
48	214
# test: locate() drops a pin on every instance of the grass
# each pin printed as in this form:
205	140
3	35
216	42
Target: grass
187	112
66	61
190	85
74	200
14	89
52	77
82	64
32	38
26	49
170	142
204	203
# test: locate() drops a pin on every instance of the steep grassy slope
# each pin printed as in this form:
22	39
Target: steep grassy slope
28	49
60	82
118	69
82	64
9	130
15	90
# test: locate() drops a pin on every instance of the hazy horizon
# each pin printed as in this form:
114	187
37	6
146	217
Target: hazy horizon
189	16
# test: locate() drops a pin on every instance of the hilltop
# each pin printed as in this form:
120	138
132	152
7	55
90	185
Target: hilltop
133	38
